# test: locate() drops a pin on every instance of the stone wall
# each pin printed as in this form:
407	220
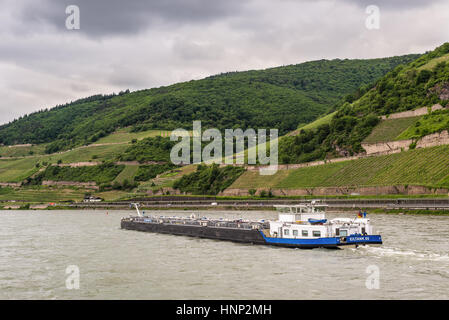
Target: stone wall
431	140
387	147
297	165
20	145
91	184
77	164
412	113
327	191
10	184
136	163
95	163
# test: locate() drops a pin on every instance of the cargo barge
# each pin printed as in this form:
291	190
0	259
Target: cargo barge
298	226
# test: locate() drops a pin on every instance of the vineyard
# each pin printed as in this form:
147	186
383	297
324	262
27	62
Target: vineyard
390	129
425	167
41	194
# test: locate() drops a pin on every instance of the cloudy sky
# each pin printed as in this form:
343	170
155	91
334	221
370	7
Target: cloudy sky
140	44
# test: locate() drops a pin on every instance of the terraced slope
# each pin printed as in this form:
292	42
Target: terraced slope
127	173
22	151
390	129
430	123
17	170
25	164
125	135
41	194
425	167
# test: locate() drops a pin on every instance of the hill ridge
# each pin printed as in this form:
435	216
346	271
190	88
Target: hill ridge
280	97
405	88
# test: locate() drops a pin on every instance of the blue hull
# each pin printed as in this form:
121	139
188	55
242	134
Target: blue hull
333	242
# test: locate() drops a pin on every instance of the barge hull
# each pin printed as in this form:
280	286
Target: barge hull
238	235
228	234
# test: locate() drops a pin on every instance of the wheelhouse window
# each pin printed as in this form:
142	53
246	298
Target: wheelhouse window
295	233
286	232
283	210
317	233
343	233
305	233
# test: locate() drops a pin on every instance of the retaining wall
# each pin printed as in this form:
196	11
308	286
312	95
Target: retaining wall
327	191
412	113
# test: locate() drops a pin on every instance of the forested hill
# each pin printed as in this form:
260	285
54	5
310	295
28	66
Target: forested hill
421	83
281	97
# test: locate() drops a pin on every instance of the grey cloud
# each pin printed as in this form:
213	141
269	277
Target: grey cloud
188	50
109	17
142	44
395	4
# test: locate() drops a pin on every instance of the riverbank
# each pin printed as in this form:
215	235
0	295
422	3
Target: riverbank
210	208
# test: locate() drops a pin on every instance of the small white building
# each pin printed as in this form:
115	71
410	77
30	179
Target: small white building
92	199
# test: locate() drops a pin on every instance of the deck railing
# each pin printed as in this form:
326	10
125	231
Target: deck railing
201	222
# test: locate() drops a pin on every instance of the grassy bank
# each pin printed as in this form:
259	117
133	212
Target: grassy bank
41	194
407	212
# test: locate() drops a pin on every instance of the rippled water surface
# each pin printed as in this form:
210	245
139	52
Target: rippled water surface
36	247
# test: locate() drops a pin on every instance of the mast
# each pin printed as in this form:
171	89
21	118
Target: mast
136	205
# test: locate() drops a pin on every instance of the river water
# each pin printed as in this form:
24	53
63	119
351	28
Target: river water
37	247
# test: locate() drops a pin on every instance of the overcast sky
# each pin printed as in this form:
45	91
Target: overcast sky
140	44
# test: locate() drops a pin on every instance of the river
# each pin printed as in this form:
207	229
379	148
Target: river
41	253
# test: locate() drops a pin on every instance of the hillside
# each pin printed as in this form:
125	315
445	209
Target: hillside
421	83
282	98
421	167
130	158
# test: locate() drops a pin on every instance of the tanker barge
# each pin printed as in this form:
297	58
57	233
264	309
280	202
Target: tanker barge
298	226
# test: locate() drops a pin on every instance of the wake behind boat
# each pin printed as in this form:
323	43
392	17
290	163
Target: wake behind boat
298	226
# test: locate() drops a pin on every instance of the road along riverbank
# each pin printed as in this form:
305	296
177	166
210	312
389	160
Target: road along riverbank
406	205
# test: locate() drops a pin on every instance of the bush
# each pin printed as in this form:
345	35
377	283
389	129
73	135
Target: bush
103	173
126	185
208	180
147	172
149	149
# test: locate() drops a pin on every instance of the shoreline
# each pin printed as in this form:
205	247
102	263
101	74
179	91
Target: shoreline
431	212
428	206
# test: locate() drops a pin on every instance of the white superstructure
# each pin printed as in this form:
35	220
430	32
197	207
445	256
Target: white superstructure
307	221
